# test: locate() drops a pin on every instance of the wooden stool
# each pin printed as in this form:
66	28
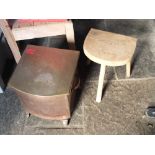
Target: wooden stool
44	81
109	49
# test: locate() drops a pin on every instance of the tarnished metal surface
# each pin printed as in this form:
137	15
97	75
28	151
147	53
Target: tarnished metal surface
47	107
45	71
43	80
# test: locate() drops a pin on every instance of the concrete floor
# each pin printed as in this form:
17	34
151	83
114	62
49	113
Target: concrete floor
124	100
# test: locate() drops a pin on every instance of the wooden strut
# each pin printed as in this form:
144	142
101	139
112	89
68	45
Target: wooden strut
69	30
128	68
100	83
10	39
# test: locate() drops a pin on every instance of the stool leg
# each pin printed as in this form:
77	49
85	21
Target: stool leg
128	68
70	34
1	85
100	83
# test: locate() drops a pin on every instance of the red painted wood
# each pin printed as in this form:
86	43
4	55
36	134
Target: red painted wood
41	20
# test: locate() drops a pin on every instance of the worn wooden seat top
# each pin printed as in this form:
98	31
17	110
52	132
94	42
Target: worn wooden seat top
109	48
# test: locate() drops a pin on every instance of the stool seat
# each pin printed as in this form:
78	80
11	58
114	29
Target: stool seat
109	48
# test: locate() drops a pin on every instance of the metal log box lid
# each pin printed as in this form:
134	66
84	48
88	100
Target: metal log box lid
45	71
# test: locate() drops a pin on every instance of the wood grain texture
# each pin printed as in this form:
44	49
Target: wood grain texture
109	48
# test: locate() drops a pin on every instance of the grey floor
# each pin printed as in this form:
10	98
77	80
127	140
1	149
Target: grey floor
124	100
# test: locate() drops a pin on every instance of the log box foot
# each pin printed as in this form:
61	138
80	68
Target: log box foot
65	122
28	114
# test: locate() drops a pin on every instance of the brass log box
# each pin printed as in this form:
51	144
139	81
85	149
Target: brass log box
43	80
